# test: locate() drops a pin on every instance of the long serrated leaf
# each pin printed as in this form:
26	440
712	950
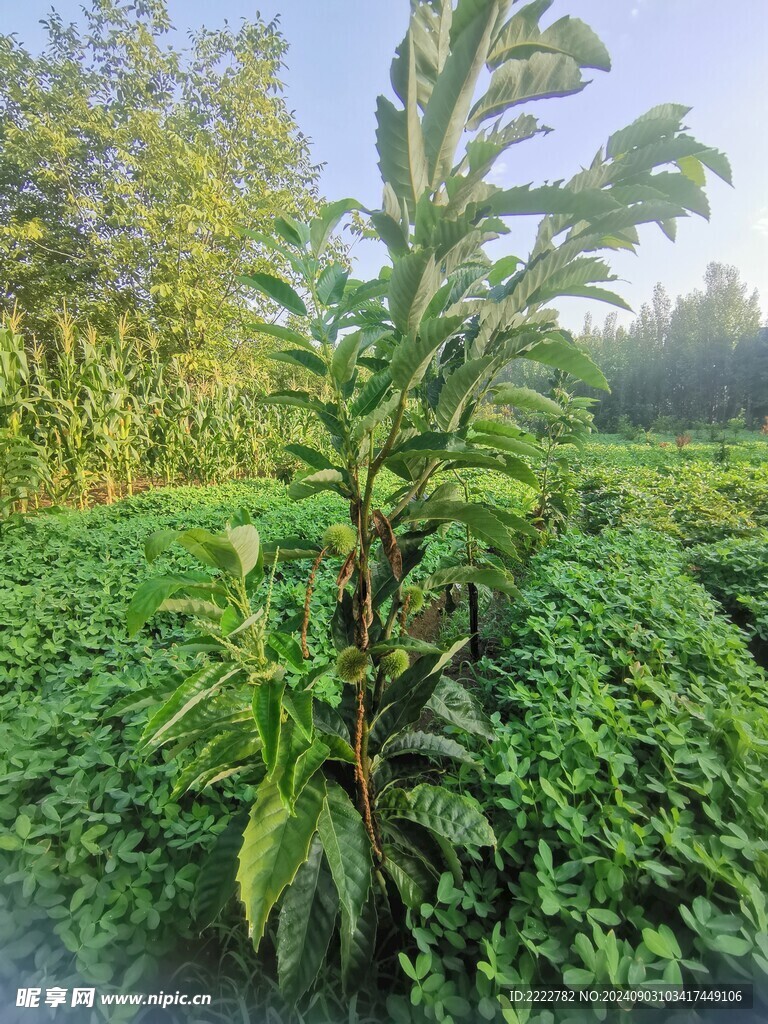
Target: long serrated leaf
358	948
414	281
493	578
426	744
454	704
151	595
245	540
300	357
276	289
448	814
526	399
460	386
307	916
275	845
413	880
267	713
348	850
542	76
446	112
283	334
411	358
215	883
483	522
322	480
345	357
230	750
568	36
566	357
195	688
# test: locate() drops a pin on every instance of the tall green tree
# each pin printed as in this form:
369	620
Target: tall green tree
338	829
127	163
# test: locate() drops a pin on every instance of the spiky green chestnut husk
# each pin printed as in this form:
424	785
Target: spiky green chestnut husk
339	539
395	663
415	597
352	665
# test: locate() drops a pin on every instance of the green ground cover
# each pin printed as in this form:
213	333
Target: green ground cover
626	781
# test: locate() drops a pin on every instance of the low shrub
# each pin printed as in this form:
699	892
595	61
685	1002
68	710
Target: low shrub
99	865
693	502
626	785
735	571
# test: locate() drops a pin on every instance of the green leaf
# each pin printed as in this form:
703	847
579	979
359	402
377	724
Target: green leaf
412	878
569	36
159	542
357	954
288	549
368	400
483	522
215	883
290	749
276	289
448	814
331	284
495	579
322	480
426	744
446	112
245	540
152	594
291	230
563	356
219	758
197	687
454	704
322	226
414	281
308	762
542	76
275	845
298	704
526	399
390	232
656	123
411	358
576	205
284	334
299	357
733	945
267	712
402	165
458	389
345	357
348	850
193	606
662	942
311	456
215	550
307	916
294	399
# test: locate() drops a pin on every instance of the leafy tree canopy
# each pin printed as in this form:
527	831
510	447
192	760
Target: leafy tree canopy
126	164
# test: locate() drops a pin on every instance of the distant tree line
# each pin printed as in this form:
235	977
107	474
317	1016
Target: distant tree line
701	359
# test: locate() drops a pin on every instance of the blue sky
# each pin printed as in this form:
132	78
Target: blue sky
706	54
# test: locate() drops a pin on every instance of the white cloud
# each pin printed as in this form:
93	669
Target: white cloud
761	224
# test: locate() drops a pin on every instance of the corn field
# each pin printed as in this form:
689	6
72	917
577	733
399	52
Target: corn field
102	415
